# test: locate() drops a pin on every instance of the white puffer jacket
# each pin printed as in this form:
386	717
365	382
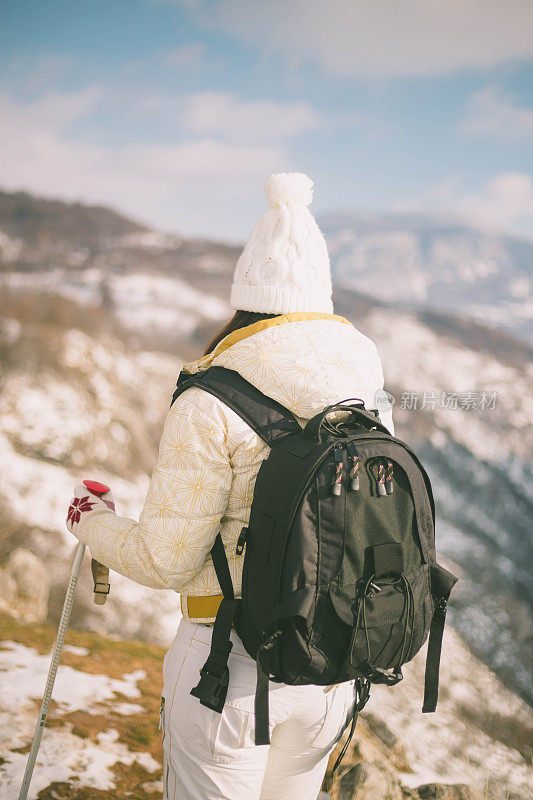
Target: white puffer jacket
209	458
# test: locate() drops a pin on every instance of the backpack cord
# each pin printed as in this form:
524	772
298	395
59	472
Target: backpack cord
361	695
361	611
365	626
409	619
362	686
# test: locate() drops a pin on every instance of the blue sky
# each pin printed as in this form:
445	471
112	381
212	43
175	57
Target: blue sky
176	111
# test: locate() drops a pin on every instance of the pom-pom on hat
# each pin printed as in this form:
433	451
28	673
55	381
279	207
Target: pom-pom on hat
284	266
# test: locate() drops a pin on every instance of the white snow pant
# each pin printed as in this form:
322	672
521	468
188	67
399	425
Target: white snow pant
210	756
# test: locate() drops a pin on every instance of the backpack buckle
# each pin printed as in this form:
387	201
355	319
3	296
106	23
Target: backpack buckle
270	641
374	674
212	689
365	588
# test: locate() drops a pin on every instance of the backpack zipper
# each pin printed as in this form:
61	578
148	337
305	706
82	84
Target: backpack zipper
339	466
389	486
354	469
381	479
241	541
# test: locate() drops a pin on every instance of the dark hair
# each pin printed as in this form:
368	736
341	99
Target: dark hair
239	320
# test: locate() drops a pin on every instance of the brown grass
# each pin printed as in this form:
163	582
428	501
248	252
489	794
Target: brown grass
139	732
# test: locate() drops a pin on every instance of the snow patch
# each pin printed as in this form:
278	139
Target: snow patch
25	676
62	756
65	758
76	651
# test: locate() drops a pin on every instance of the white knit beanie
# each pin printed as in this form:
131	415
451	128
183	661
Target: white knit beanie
284	266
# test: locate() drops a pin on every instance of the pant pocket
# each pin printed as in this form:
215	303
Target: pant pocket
231	734
339	703
222	738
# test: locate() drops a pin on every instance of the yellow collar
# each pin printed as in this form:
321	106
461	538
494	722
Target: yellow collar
243	333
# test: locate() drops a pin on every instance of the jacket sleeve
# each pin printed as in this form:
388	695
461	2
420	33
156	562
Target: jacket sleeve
187	497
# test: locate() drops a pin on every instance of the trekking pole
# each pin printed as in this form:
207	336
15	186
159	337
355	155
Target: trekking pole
97	489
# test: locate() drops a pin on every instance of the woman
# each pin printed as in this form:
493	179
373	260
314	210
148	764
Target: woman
286	341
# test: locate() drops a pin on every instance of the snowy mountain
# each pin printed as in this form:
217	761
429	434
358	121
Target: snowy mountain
97	313
72	405
158	287
439	264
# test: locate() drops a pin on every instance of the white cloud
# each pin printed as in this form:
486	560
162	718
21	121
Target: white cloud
505	202
491	113
30	72
183	186
380	38
259	121
196	159
188	55
53	110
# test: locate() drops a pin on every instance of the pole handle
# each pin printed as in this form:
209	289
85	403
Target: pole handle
100	571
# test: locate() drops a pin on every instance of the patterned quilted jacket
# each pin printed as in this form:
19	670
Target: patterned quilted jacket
209	458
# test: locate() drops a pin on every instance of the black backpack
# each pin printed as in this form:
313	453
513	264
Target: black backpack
340	580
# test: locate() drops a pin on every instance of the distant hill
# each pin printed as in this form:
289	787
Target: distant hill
422	261
413	261
101	258
37	220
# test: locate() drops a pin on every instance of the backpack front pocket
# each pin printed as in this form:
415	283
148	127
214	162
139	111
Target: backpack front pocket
390	626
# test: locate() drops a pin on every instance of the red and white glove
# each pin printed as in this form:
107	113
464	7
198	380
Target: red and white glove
90	498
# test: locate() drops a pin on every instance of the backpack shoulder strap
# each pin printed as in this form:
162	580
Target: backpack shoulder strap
268	418
212	687
272	422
